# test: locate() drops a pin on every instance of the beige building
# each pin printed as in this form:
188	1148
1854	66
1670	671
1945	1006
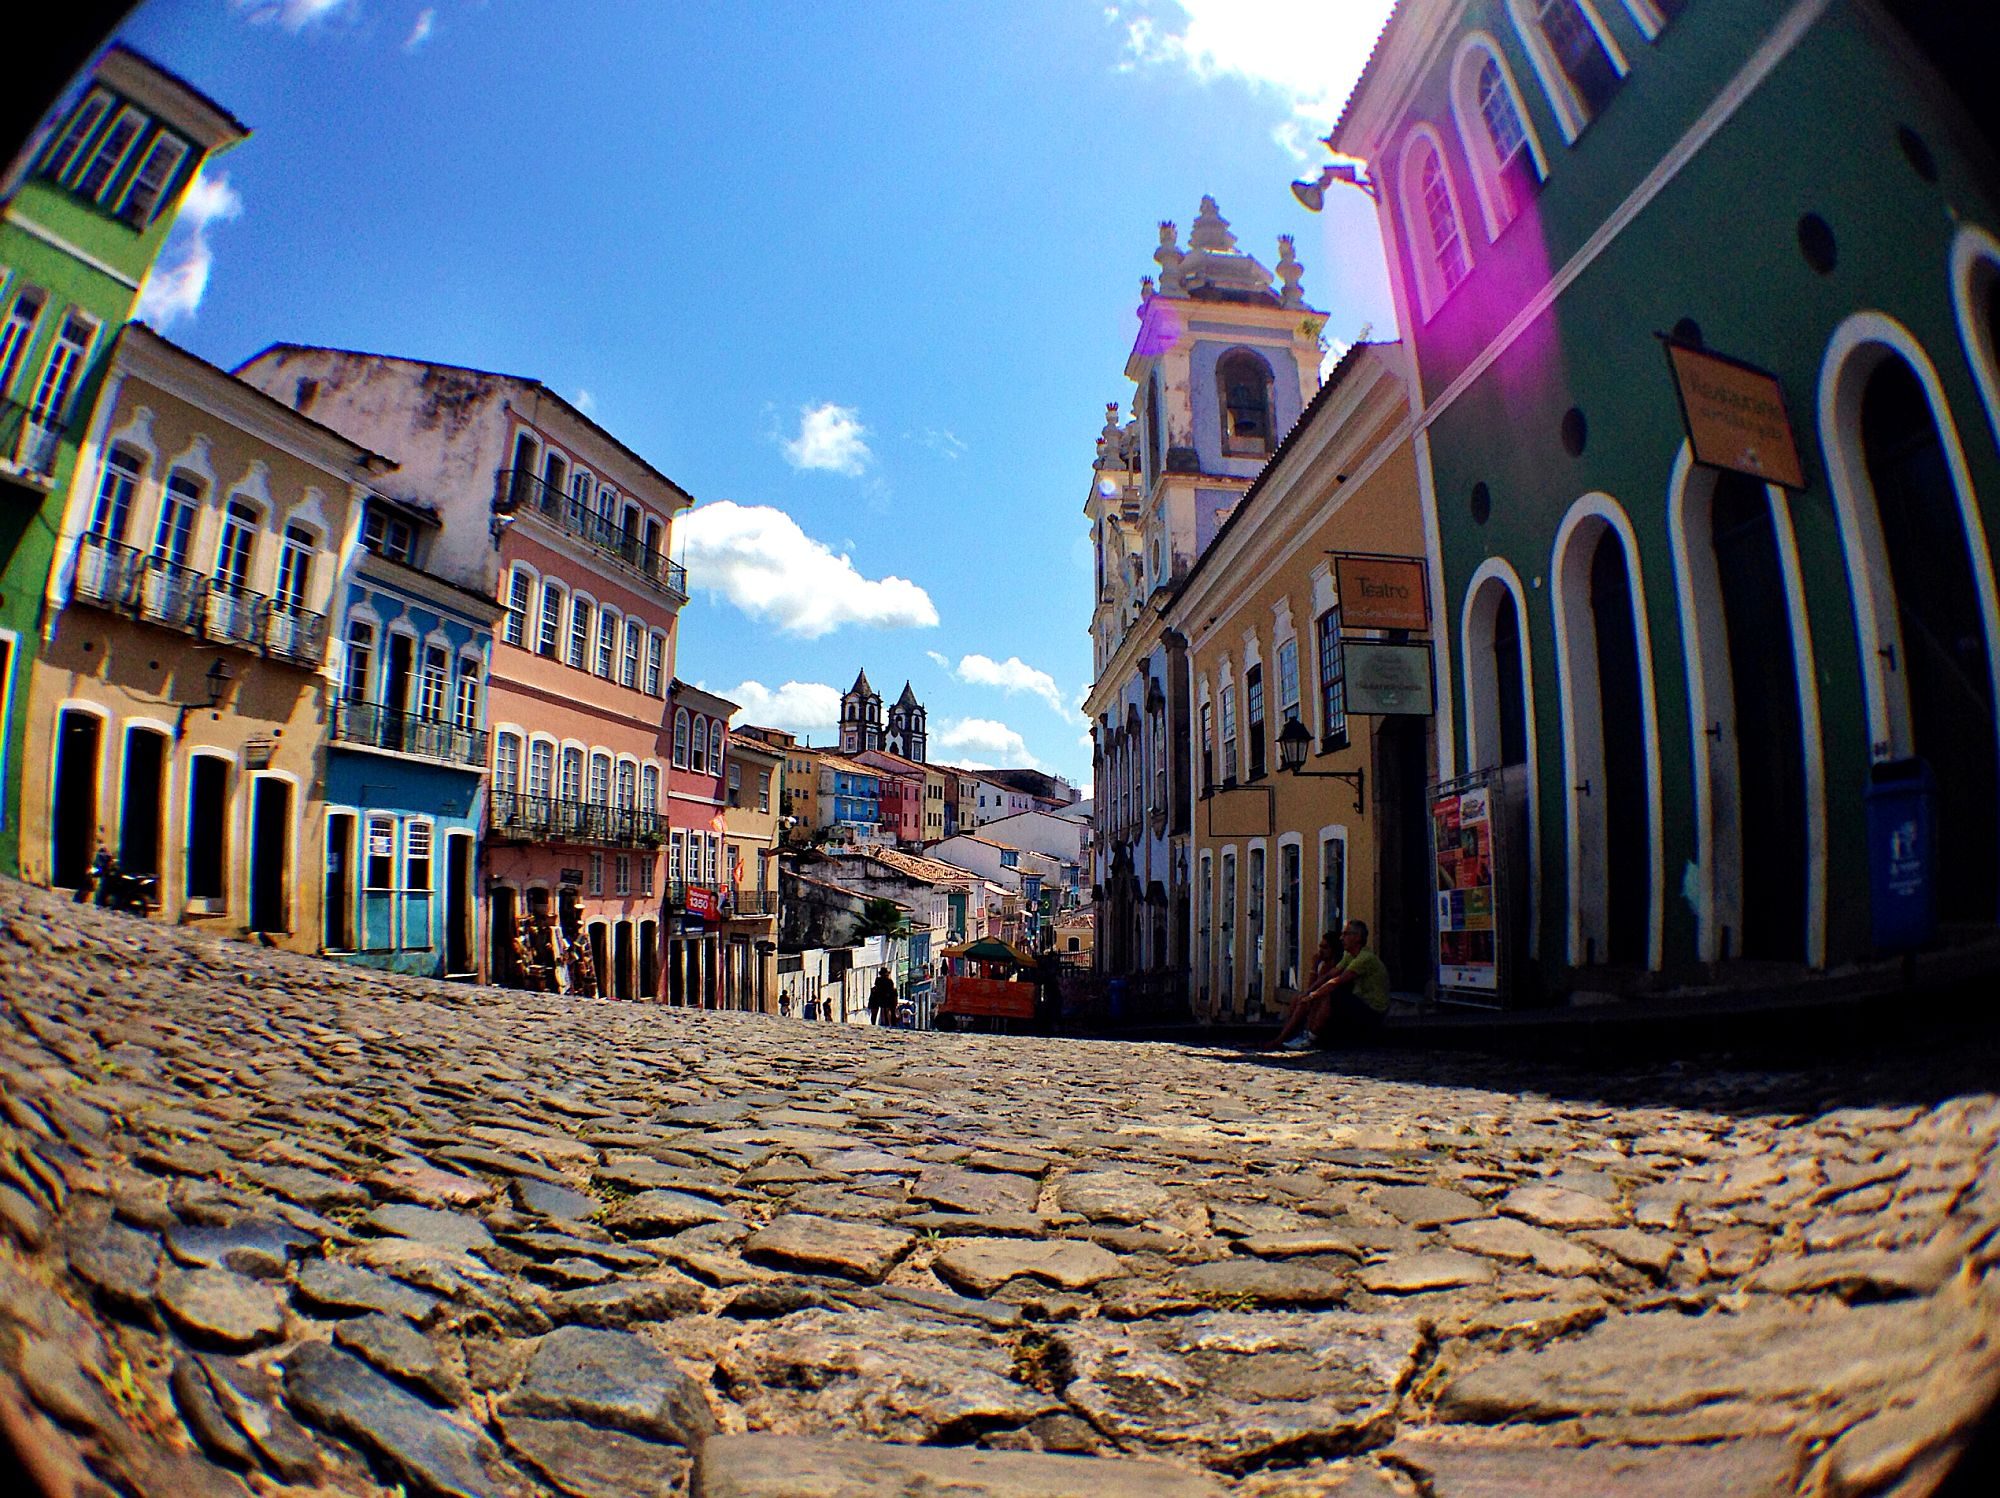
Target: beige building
1281	856
178	710
755	792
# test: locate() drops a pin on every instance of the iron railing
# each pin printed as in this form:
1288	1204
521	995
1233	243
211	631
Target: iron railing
520	817
27	441
519	489
112	575
378	727
731	902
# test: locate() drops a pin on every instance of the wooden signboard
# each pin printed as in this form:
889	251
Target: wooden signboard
1382	592
1735	416
1385	678
995	998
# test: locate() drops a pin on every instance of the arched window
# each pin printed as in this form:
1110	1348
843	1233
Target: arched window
1431	222
570	786
680	738
715	746
507	763
550	633
649	788
600	778
579	633
1154	450
1243	381
698	747
1578	65
628	784
1506	159
114	493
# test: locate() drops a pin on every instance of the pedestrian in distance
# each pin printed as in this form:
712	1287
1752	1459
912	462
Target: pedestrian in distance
1351	1000
882	999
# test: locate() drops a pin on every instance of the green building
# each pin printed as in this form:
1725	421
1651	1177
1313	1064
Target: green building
1619	228
84	212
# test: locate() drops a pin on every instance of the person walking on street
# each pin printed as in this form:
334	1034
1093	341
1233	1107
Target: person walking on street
1352	1001
882	999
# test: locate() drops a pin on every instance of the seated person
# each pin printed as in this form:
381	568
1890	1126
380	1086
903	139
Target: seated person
1352	1000
1325	959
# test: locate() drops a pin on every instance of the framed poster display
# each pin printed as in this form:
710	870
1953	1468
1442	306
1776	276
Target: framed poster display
1478	837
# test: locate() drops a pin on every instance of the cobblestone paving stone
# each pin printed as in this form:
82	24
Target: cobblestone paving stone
269	1223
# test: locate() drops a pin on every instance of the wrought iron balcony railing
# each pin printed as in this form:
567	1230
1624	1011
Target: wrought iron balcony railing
27	441
519	489
112	575
377	727
520	817
729	902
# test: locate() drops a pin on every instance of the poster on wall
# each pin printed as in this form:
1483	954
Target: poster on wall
1468	956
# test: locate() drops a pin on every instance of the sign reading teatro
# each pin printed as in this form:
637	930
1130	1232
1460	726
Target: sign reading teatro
1735	416
1382	592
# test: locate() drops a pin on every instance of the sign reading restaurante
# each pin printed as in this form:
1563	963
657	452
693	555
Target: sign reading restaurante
1735	415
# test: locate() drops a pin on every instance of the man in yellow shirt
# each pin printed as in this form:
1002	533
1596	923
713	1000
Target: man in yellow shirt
1353	999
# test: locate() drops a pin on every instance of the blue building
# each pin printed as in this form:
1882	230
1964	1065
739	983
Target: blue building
406	756
850	799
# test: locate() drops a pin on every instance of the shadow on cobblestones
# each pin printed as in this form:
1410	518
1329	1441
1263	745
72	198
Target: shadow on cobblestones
271	1224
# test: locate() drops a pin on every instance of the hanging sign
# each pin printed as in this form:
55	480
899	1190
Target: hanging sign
1386	678
1382	592
1735	416
1468	956
702	901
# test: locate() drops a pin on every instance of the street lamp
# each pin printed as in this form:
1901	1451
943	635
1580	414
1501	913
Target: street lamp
1354	173
1293	741
217	682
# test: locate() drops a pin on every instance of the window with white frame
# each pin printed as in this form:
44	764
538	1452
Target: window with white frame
115	490
541	767
698	746
113	147
628	785
763	790
1291	914
1229	734
1288	681
628	675
50	407
553	599
1332	682
17	332
390	535
621	875
1332	882
647	863
570	787
680	738
579	633
676	853
656	663
381	861
295	561
735	785
465	714
600	779
514	628
1578	69
360	662
434	684
1446	247
596	885
507	763
649	789
607	641
68	146
416	856
157	167
1254	915
715	738
1226	921
232	552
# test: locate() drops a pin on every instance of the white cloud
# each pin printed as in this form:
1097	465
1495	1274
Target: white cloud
1012	675
995	741
802	707
1306	53
760	560
586	402
831	437
939	658
944	443
421	32
179	278
293	15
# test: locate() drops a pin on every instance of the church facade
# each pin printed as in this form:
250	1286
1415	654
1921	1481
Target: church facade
864	725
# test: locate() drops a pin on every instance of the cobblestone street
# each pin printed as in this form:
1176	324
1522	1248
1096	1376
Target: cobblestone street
273	1222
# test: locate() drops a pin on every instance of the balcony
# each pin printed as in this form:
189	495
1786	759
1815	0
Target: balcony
27	444
126	580
732	904
518	817
519	490
372	726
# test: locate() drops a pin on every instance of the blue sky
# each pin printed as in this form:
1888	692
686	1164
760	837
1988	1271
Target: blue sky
859	276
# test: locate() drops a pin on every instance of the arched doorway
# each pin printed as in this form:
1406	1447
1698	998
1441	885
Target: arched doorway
1499	705
1610	747
1753	712
1943	661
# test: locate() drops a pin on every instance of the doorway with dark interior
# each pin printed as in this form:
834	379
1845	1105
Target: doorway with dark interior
1628	845
337	897
459	905
73	820
142	802
270	855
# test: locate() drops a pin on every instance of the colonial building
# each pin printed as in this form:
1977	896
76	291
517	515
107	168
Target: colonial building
906	734
84	212
863	727
915	810
755	780
1710	530
176	714
1225	358
568	527
696	874
1283	853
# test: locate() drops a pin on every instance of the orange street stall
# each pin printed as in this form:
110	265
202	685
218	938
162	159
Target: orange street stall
982	981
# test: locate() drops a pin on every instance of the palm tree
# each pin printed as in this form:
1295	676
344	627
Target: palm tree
882	917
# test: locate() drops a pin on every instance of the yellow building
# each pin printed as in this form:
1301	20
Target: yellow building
178	708
801	799
1280	857
750	863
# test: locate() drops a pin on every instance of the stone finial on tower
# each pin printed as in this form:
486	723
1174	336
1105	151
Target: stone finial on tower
1289	271
1146	292
1169	256
1111	441
1211	229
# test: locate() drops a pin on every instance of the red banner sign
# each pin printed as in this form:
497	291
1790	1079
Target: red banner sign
998	998
703	902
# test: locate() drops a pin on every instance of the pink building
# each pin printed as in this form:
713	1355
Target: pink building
700	919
